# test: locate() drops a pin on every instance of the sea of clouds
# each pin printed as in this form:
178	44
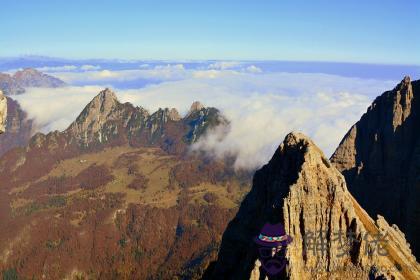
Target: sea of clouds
262	106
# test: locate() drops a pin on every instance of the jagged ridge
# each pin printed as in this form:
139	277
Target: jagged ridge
301	189
106	120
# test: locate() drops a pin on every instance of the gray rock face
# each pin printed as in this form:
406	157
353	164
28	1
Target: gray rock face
3	112
9	85
200	118
16	84
302	190
18	129
89	124
380	159
174	115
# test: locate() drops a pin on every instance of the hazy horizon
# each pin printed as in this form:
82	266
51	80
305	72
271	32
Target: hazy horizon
263	100
272	68
355	31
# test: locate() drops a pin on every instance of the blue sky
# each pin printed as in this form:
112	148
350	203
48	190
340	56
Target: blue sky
384	32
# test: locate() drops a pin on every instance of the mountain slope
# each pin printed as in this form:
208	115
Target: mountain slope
117	195
379	158
28	77
302	190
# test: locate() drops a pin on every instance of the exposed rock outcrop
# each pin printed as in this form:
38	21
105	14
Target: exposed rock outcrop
302	190
200	118
90	126
9	85
195	107
380	159
174	115
16	84
3	112
18	127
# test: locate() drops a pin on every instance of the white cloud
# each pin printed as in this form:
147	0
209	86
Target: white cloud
224	65
253	69
88	67
57	68
68	68
159	72
55	109
262	107
170	67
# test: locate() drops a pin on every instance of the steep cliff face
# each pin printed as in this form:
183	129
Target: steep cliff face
302	190
18	127
100	120
380	159
3	112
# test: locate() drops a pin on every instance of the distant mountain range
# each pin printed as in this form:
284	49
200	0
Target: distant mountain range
368	71
28	77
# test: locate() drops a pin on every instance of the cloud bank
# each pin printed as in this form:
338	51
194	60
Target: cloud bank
55	109
262	107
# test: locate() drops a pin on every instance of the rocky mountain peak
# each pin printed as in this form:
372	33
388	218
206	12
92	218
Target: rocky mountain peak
30	77
3	112
106	99
195	107
100	106
26	72
300	143
301	190
405	87
103	108
174	115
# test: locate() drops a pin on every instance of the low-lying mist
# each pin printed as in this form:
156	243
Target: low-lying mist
262	107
